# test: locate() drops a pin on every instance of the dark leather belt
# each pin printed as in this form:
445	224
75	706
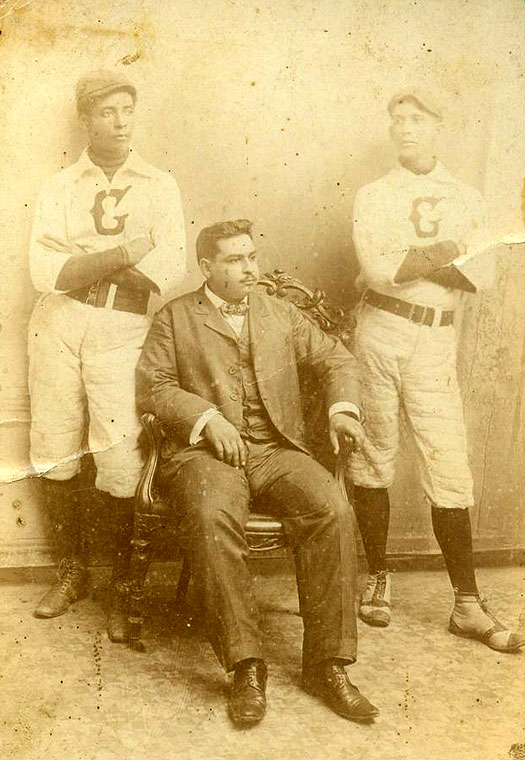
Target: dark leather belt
133	301
421	315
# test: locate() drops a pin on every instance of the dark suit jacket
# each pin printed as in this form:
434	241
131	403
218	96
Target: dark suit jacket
190	361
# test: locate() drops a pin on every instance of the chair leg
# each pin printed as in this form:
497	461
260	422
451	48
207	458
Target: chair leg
142	549
182	585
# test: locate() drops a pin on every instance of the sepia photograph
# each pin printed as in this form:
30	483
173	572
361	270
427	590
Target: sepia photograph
262	380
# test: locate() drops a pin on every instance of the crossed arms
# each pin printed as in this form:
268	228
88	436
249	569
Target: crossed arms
154	260
452	263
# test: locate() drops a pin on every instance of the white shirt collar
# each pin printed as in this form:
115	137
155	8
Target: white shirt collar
216	300
438	173
133	163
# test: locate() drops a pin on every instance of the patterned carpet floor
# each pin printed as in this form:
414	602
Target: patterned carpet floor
67	693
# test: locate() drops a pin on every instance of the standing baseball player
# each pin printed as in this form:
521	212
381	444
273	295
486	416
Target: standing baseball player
108	232
418	235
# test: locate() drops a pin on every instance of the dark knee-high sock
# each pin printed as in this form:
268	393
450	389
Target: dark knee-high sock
61	508
372	510
453	532
121	519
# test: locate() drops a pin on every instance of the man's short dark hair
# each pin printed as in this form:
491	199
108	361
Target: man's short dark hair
207	239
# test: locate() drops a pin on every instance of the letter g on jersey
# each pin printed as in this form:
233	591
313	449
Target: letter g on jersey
425	216
107	222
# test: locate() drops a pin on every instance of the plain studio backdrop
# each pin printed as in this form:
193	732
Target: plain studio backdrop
276	111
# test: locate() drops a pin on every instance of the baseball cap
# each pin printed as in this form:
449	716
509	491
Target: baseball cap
97	84
424	98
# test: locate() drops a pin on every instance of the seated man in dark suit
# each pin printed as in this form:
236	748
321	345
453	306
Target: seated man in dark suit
220	369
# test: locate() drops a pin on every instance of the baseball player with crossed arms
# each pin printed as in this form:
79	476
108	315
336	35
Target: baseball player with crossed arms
418	235
108	232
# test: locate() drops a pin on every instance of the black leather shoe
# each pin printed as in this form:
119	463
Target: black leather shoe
247	703
329	681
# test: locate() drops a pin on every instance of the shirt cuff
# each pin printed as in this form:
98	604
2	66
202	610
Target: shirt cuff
345	406
196	432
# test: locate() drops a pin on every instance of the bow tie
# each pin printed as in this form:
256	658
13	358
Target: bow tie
234	309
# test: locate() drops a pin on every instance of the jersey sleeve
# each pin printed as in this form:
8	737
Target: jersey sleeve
378	262
50	219
165	264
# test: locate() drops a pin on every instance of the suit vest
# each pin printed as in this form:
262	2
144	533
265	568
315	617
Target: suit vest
256	425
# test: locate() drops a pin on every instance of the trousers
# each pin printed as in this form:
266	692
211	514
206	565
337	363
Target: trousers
82	384
213	499
409	370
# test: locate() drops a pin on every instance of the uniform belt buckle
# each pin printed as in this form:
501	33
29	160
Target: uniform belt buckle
431	313
92	295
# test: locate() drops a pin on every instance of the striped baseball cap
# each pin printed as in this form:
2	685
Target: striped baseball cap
97	84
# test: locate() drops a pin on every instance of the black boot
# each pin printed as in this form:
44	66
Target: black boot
73	578
122	519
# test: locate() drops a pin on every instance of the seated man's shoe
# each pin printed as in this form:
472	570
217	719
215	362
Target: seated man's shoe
247	704
472	619
375	604
118	628
329	681
72	585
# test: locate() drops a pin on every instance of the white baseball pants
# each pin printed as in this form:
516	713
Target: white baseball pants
82	385
410	369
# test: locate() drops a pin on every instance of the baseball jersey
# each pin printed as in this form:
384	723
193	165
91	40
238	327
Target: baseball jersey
403	210
80	205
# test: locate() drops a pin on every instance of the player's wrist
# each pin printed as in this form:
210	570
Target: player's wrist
125	254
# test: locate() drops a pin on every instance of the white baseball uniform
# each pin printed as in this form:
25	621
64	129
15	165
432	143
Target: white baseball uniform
407	367
83	357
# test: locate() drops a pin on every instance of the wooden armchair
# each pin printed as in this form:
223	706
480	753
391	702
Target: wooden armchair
153	514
